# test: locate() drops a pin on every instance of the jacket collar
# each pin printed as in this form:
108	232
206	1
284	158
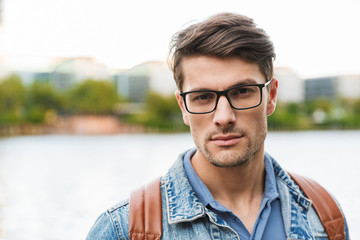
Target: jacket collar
184	206
295	207
284	178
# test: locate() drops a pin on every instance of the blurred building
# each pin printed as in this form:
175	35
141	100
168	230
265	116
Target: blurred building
349	86
134	83
334	87
133	87
74	70
42	77
27	67
291	86
321	87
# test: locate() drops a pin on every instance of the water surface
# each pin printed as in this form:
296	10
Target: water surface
54	187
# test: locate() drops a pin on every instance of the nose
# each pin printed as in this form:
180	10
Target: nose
224	114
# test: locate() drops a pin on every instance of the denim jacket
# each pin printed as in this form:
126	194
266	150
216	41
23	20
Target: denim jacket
184	217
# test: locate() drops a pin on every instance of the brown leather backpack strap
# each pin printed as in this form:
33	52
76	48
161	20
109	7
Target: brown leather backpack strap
324	205
145	216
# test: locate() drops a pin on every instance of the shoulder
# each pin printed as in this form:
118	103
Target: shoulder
298	193
120	210
112	224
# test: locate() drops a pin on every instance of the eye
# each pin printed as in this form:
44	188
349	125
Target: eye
241	92
202	97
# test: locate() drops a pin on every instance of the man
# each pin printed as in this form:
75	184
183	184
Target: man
227	187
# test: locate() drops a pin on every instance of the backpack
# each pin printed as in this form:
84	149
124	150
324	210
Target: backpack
145	217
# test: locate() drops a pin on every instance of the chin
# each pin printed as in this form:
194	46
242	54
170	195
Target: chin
227	158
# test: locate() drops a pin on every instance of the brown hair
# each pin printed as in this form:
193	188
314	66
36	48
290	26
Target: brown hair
223	35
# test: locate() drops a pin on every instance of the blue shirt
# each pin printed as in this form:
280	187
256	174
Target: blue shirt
269	223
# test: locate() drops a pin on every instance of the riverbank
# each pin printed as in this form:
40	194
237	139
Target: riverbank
110	125
78	125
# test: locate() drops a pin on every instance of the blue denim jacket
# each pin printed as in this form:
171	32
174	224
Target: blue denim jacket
184	217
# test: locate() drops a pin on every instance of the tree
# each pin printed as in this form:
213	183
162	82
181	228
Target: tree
162	113
40	100
92	97
288	116
12	96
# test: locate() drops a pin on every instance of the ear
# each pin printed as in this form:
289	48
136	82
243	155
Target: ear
271	104
182	107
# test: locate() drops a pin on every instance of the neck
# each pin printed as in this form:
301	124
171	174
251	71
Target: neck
243	184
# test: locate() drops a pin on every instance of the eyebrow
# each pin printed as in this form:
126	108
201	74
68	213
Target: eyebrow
246	81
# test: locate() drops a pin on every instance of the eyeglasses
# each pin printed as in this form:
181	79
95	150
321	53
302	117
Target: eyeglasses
240	98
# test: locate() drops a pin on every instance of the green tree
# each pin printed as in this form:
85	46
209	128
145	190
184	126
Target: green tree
161	113
351	119
356	107
40	100
323	104
289	116
92	97
12	97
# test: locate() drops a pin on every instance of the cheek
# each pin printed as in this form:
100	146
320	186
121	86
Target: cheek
257	113
196	134
255	118
198	124
193	121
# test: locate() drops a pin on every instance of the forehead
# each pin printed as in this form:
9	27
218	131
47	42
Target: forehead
203	72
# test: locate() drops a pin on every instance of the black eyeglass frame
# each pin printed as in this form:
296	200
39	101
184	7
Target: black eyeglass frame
225	93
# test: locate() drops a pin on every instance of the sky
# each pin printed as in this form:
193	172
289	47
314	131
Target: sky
313	37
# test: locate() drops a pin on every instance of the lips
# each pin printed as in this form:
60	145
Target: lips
226	140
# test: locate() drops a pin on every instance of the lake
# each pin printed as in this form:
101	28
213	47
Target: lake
55	186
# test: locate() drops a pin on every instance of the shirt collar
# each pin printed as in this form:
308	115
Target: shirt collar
271	192
205	196
200	189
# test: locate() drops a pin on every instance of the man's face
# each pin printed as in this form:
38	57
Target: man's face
227	137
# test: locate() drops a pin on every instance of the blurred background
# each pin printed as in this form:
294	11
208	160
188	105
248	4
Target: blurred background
88	113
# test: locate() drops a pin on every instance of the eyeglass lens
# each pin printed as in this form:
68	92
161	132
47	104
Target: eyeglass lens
239	97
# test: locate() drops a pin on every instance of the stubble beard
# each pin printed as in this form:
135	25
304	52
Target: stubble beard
233	156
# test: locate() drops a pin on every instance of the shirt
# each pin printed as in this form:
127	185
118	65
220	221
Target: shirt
269	223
